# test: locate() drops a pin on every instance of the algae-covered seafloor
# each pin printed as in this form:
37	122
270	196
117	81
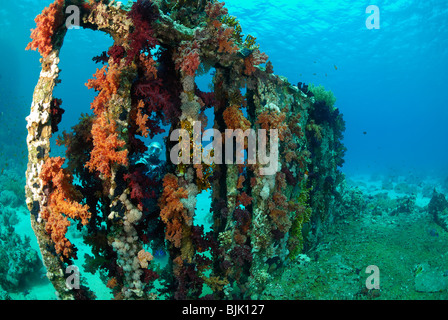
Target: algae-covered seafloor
409	248
112	188
390	229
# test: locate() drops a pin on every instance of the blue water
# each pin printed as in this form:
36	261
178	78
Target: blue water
390	83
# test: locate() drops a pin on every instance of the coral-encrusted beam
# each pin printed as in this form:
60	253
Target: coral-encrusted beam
39	125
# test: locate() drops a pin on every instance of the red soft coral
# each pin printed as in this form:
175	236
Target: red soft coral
56	114
281	219
172	212
141	124
62	204
157	100
142	39
206	99
244	199
117	53
47	23
140	185
154	102
249	68
149	66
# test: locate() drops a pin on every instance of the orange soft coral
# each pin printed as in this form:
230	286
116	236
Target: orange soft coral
172	212
222	34
188	58
112	283
244	199
107	82
149	65
141	119
106	147
106	144
255	59
249	68
61	205
240	182
271	119
225	42
47	22
235	119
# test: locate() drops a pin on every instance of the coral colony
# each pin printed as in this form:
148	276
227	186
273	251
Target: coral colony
260	219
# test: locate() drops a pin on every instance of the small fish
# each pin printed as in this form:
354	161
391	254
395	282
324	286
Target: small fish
365	132
159	253
433	233
314	74
335	67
